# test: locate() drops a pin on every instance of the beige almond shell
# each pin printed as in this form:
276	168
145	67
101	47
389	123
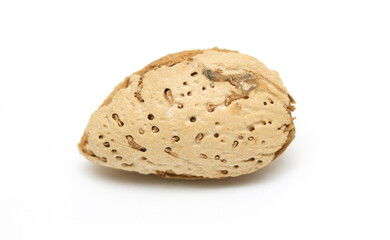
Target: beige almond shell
196	114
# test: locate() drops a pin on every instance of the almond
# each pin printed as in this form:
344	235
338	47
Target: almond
196	114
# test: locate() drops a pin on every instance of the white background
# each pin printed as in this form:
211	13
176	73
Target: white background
58	61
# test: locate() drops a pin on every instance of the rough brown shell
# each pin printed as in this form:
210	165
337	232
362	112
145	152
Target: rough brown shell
196	114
